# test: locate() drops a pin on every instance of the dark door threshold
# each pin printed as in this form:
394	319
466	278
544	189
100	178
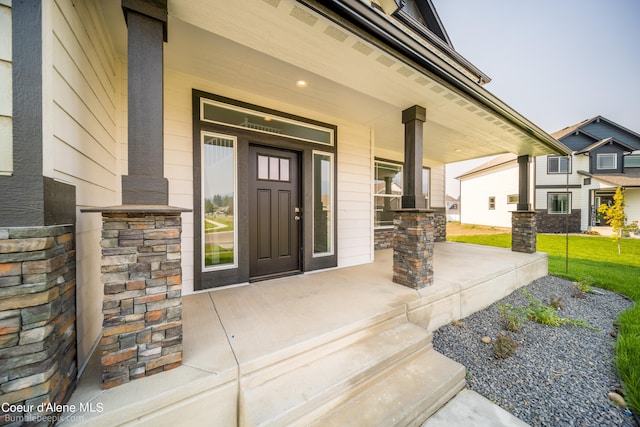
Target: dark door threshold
274	276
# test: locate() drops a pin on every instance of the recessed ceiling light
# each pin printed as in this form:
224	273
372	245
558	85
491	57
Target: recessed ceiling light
301	83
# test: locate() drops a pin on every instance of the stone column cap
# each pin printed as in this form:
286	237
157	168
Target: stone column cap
136	208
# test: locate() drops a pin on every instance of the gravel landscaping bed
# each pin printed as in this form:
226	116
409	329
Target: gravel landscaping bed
558	376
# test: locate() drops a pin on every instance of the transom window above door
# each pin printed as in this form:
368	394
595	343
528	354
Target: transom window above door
273	168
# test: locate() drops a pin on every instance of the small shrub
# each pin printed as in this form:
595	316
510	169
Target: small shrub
504	346
547	315
583	286
512	318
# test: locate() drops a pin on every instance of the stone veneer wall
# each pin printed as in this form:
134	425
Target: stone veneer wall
383	238
440	224
557	223
413	248
141	273
523	231
37	320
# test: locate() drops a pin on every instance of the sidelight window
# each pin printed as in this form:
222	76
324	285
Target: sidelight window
323	211
219	205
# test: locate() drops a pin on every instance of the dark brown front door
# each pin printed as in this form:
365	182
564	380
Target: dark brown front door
274	214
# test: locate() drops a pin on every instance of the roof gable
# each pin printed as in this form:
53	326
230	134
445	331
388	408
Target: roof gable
591	131
611	141
422	13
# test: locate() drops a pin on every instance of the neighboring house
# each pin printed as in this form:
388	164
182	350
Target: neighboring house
604	156
490	192
271	124
453	208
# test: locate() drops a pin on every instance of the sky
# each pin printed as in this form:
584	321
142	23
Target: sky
557	62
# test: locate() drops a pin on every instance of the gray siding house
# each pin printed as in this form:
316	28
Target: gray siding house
605	155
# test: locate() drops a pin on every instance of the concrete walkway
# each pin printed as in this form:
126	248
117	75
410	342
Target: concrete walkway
470	409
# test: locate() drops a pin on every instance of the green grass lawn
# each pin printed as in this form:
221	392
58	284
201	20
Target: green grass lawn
598	258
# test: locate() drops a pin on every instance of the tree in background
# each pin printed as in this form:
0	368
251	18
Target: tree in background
616	217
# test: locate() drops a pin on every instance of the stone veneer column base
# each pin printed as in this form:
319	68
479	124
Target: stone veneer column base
142	306
440	224
413	247
37	321
523	231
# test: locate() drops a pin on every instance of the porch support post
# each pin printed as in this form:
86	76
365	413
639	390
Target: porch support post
412	194
523	221
523	183
413	238
145	183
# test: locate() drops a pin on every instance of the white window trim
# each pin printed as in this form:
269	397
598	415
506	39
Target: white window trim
568	207
559	171
331	211
235	203
606	155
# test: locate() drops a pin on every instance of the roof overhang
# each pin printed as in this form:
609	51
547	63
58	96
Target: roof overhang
616	180
359	67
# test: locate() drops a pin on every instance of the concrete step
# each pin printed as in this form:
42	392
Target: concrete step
406	396
255	372
327	380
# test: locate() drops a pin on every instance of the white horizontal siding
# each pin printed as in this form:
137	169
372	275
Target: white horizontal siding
355	199
475	192
437	185
632	209
81	113
579	162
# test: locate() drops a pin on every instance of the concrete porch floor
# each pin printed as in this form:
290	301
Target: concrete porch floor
232	333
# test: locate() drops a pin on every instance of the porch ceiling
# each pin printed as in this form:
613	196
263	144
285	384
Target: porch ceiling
264	47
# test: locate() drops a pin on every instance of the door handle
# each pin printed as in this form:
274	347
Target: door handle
297	218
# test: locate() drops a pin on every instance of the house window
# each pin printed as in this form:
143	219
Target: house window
219	231
492	203
557	164
388	190
513	199
322	204
632	161
606	161
558	203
